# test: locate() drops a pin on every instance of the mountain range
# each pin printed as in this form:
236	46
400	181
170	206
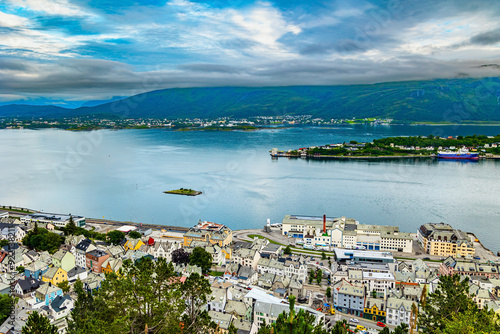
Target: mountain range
451	100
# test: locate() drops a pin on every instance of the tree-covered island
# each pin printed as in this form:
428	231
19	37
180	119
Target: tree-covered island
182	191
425	146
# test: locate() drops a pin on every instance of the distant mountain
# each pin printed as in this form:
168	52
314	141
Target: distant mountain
99	102
455	100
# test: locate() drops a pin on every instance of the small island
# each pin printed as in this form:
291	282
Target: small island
185	192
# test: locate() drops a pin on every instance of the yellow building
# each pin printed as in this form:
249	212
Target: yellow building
443	240
374	310
213	233
133	244
55	275
111	265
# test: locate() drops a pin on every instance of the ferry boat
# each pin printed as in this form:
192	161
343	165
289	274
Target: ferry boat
462	153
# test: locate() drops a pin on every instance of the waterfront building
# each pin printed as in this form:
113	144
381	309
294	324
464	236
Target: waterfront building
347	233
443	240
55	219
210	232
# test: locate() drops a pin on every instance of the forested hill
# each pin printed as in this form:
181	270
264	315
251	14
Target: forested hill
456	101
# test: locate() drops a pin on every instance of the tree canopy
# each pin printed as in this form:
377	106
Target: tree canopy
449	309
180	256
200	257
147	293
38	324
293	322
115	237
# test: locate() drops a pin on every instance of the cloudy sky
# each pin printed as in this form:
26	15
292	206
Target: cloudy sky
66	51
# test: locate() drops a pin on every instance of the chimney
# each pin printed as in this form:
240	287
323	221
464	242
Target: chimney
324	223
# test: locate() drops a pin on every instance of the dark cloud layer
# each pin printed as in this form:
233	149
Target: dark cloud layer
121	48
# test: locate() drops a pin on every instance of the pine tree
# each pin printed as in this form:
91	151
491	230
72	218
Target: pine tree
38	324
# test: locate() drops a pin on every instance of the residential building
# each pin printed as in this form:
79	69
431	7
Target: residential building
133	244
222	320
349	298
112	265
443	240
398	311
95	259
246	257
77	273
451	266
35	269
12	232
63	259
46	293
26	287
375	309
81	250
55	275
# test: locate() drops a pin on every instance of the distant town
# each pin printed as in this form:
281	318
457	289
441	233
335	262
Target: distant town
221	123
368	276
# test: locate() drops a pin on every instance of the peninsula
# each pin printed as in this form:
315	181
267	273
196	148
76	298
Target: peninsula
398	147
185	192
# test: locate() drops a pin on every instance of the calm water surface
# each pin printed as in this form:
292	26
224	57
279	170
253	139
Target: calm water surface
121	175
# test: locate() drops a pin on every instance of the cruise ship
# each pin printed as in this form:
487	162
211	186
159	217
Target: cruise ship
462	153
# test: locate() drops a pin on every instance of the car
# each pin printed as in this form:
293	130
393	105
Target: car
360	328
249	288
380	324
477	258
427	258
353	320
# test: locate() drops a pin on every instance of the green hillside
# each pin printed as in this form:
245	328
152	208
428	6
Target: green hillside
453	101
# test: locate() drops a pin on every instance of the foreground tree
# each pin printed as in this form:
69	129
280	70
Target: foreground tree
195	292
6	305
292	322
450	303
200	257
180	256
64	285
38	324
147	293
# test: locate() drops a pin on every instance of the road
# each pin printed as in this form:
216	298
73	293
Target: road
371	326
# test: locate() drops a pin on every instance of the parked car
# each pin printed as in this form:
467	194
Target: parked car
427	258
353	320
380	324
360	328
477	258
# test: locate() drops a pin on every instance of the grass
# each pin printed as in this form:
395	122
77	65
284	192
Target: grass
216	273
294	249
6	208
261	237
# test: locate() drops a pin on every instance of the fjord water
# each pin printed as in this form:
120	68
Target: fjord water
121	175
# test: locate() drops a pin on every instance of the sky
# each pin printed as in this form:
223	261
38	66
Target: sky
64	52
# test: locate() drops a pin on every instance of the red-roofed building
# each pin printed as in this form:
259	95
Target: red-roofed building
151	241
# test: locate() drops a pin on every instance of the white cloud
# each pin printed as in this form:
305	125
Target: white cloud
12	21
51	7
